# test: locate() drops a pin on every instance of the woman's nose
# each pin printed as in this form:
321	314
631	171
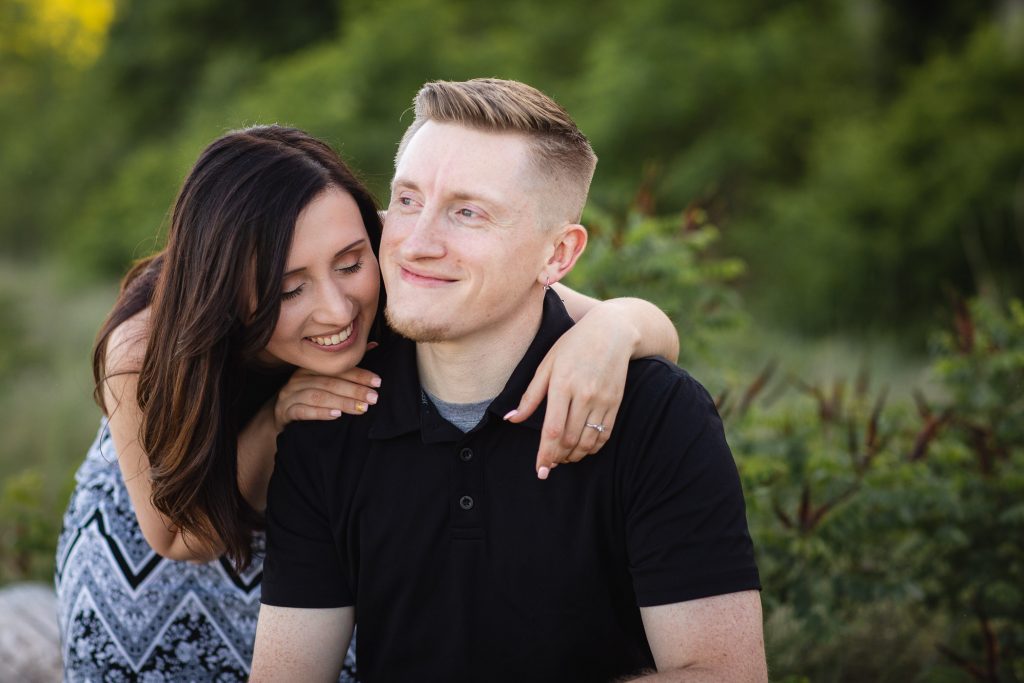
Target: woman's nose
333	306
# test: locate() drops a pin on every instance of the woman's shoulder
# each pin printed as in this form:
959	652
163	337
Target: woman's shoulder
126	346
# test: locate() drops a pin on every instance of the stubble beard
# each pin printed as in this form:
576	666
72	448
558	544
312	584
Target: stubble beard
419	331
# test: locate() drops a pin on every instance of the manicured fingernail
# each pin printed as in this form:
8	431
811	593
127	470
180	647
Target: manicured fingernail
512	413
375	382
362	407
371	397
543	473
335	413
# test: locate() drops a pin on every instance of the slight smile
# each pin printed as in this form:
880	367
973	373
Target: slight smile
422	279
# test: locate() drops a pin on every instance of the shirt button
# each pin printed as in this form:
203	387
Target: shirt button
466	503
466	454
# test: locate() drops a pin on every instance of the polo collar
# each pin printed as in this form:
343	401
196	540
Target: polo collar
401	409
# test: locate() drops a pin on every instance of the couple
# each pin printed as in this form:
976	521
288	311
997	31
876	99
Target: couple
424	513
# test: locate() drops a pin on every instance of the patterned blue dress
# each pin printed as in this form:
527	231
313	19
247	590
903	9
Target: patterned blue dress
127	614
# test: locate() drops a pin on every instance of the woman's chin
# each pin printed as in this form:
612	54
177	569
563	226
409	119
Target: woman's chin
328	361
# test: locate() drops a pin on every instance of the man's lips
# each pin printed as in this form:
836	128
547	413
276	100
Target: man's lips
423	279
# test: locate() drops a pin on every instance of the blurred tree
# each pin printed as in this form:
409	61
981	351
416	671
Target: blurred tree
71	31
856	154
894	207
160	49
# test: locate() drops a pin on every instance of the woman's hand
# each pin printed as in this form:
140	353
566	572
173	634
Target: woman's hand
309	396
306	396
583	377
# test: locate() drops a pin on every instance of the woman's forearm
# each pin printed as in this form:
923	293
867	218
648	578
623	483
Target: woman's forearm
652	331
257	446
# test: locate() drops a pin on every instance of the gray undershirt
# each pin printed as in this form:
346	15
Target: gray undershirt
465	416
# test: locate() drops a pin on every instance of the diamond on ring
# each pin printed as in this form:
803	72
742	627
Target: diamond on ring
598	427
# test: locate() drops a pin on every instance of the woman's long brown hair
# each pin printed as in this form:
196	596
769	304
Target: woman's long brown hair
215	293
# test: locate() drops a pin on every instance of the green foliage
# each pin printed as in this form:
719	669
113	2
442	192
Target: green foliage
857	157
852	173
26	535
865	514
161	51
667	261
46	408
15	353
924	192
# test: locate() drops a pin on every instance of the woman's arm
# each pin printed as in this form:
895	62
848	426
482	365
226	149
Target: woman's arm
583	376
653	332
125	351
304	397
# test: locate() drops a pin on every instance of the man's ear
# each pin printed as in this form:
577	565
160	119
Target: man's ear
570	242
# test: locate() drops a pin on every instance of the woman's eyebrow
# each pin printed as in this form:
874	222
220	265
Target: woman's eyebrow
338	253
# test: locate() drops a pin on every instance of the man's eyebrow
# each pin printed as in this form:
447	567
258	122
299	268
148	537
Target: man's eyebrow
404	182
341	251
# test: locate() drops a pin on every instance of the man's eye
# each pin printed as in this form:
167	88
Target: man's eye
405	201
467	213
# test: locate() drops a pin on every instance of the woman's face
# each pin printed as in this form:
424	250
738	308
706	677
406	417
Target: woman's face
330	288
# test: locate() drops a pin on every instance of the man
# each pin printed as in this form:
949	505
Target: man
424	520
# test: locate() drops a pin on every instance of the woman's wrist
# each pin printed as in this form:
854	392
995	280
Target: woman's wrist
618	317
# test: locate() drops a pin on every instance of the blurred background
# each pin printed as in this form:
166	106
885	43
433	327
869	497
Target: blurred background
827	197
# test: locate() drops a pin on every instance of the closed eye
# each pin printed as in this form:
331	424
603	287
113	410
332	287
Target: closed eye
354	268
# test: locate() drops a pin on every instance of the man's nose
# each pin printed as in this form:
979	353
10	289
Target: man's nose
425	236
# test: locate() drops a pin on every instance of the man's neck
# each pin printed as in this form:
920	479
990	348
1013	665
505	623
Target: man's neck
477	368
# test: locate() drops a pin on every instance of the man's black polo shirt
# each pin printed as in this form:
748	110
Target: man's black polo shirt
462	565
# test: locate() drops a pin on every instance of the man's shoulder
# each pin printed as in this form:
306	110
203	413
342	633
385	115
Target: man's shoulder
652	377
663	399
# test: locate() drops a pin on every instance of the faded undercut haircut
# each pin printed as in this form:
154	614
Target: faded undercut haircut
561	153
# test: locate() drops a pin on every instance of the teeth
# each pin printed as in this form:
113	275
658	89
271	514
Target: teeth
334	339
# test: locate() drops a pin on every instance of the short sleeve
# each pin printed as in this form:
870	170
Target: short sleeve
302	566
686	523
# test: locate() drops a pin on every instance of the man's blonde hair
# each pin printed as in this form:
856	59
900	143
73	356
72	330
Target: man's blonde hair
561	153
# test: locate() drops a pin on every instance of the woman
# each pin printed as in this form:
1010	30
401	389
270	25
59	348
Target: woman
194	393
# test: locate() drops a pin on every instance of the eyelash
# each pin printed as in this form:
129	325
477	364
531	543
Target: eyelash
348	270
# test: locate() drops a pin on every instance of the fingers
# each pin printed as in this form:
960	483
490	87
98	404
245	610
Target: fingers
316	405
298	411
308	396
551	451
566	436
356	385
588	439
360	376
592	438
534	394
